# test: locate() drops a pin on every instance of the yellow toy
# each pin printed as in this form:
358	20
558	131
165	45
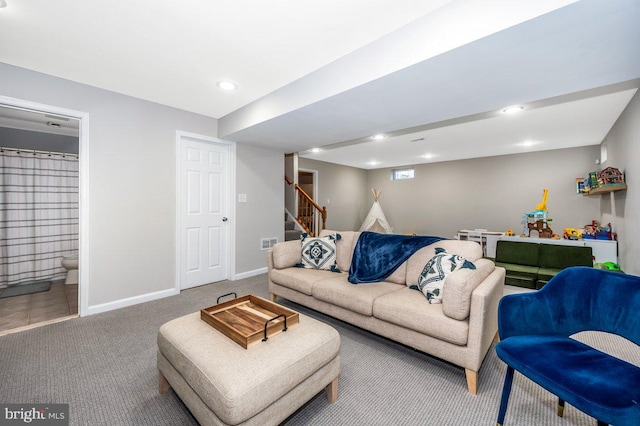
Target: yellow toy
572	234
510	233
543	205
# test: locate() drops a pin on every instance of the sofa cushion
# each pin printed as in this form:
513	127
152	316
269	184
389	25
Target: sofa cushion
399	276
319	253
560	256
439	267
415	264
519	281
458	287
287	254
344	247
301	279
544	275
521	253
410	309
519	270
355	297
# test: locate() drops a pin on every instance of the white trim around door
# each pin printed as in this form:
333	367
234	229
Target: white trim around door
83	159
183	137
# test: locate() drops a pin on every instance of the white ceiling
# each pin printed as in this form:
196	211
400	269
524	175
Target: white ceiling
332	73
561	125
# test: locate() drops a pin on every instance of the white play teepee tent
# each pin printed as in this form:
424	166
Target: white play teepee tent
375	220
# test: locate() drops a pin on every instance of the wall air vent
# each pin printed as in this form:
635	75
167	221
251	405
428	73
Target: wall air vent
267	243
416	140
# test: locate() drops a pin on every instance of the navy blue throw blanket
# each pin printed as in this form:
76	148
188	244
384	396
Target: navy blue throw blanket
376	256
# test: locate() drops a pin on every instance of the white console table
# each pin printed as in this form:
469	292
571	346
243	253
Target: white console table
489	239
603	250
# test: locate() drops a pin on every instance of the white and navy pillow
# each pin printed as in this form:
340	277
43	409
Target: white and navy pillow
319	253
441	265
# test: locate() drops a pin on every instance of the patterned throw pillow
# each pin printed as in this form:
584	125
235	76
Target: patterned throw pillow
432	278
319	253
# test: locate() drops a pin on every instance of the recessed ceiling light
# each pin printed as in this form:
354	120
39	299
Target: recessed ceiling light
226	84
315	150
378	137
373	163
514	109
3	3
427	156
528	143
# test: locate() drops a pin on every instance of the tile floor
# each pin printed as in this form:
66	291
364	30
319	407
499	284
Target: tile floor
60	301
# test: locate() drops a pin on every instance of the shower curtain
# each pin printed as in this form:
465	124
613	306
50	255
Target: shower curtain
38	215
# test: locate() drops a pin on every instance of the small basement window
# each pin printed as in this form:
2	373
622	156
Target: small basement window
398	174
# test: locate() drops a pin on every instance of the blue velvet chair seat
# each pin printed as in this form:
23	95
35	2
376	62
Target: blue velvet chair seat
569	368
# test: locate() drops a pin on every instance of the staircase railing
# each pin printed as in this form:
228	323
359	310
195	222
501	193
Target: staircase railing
310	215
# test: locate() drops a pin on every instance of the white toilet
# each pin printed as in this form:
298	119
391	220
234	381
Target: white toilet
70	263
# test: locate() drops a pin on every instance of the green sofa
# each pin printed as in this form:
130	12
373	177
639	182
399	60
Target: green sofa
532	265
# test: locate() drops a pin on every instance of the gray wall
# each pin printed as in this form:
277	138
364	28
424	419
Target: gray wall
27	139
490	193
259	175
623	152
132	184
343	191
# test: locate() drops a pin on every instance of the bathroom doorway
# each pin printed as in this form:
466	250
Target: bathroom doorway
39	199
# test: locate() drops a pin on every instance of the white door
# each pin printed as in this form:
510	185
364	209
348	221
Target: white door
204	212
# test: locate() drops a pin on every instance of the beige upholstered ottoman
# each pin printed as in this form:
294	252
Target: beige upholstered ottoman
224	384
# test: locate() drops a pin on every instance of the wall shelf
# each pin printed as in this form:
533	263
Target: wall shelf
606	189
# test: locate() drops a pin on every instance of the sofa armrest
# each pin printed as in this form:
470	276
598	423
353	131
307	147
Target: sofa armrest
459	286
483	318
286	254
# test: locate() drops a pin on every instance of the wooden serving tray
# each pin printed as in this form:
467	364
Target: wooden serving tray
245	319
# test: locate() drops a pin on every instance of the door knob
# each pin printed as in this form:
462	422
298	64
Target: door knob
224	219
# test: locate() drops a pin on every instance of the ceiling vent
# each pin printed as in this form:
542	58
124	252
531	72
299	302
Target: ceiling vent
417	140
53	124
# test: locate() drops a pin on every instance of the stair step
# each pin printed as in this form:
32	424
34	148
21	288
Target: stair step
289	225
293	234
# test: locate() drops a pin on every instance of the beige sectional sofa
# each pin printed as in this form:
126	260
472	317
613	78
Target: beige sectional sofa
460	330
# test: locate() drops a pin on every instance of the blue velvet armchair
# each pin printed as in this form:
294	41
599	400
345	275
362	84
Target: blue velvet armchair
535	330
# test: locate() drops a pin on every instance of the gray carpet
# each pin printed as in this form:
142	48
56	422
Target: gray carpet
104	367
22	289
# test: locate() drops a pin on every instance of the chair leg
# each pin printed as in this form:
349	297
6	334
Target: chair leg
602	423
560	407
506	390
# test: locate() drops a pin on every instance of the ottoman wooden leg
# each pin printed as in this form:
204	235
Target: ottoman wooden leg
163	384
332	390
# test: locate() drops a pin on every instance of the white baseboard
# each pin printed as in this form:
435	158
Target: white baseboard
123	303
250	274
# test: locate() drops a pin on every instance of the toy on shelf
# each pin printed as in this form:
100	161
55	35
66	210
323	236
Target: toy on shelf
538	220
610	176
572	234
543	205
510	233
595	231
